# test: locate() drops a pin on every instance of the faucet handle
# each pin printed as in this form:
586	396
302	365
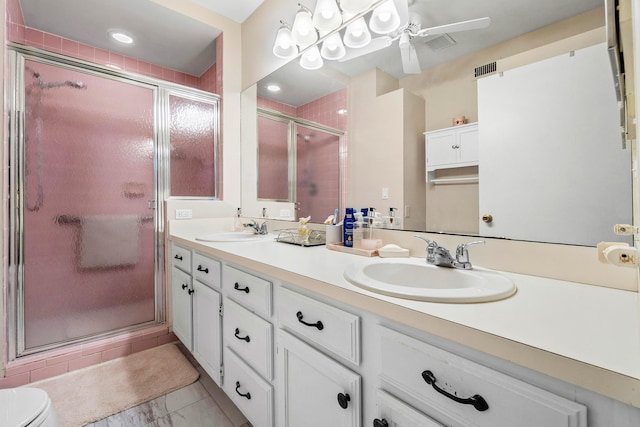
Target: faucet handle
431	248
462	254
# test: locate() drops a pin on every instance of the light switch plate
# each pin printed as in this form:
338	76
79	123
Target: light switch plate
184	213
385	193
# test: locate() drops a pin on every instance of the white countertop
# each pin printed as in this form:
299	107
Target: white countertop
567	330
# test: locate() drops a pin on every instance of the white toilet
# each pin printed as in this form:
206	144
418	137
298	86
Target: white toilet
26	407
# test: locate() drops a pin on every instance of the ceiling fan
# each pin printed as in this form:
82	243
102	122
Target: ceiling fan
411	30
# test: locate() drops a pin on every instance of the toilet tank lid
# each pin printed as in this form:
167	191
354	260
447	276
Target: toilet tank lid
20	406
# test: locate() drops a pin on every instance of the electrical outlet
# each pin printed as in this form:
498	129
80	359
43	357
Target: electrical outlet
385	193
407	211
184	213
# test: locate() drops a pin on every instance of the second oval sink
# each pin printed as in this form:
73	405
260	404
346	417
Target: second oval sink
413	278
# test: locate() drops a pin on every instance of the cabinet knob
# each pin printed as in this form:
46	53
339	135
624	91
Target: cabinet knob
184	286
380	423
488	218
178	257
343	400
205	270
246	395
190	291
237	287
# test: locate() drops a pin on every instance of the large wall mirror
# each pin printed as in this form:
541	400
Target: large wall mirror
171	47
550	168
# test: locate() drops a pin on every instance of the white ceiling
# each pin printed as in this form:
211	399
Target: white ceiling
181	43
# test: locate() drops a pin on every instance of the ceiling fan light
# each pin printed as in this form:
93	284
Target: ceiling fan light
332	48
355	6
303	31
357	34
327	16
284	47
311	59
385	18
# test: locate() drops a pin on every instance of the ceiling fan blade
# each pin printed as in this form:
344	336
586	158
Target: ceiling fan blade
402	6
410	63
375	45
472	24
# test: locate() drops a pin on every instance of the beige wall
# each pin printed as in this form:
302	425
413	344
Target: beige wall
450	90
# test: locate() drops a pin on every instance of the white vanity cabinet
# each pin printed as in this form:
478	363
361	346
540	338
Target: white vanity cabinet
464	393
316	390
392	412
196	308
452	147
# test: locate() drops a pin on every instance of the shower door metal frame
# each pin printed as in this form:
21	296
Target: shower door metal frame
294	122
16	103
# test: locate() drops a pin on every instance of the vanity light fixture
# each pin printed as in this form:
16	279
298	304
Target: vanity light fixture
334	25
285	47
385	18
121	37
311	59
327	16
303	31
332	48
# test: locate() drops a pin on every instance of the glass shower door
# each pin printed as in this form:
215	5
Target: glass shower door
88	182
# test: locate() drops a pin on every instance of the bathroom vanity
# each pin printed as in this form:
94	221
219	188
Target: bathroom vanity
294	344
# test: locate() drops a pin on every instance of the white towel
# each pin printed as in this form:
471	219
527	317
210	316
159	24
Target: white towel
108	241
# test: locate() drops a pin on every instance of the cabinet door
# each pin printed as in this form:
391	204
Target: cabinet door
207	344
441	149
181	290
468	143
317	391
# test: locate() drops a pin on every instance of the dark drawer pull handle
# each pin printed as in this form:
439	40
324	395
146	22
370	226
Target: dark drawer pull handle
247	394
190	291
247	339
205	270
178	257
476	400
318	324
184	286
343	400
380	423
238	288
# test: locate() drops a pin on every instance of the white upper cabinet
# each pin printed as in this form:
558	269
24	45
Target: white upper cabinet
452	147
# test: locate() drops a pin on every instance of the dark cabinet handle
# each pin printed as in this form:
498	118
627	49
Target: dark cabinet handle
380	423
247	394
476	400
318	324
178	257
184	286
247	339
238	288
343	400
205	270
190	291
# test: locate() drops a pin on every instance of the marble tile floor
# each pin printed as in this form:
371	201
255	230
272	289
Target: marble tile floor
201	404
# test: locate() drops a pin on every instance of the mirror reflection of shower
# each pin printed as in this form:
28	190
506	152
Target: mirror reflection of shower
33	93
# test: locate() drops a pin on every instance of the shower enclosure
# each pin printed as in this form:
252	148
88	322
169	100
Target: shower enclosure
89	161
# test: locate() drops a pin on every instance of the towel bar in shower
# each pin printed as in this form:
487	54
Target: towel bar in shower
73	219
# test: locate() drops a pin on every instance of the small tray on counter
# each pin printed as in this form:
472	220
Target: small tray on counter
356	251
316	237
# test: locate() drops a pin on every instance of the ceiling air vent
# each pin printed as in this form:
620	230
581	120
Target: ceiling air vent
440	42
485	69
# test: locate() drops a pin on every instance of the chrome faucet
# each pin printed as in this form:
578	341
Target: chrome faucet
439	256
257	228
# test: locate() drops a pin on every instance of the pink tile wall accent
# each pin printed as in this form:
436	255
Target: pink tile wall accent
38	367
277	106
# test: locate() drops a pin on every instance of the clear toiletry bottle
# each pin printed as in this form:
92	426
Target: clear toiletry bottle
358	230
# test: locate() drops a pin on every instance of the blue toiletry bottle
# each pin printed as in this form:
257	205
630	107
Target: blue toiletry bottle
347	226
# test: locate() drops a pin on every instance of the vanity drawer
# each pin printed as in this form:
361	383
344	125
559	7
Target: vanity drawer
249	336
206	270
406	362
181	258
394	412
251	291
321	324
250	393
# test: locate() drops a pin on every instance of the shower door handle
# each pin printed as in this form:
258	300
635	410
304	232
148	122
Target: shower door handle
151	204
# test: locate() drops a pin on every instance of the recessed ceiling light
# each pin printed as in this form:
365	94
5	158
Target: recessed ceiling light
273	88
121	37
342	111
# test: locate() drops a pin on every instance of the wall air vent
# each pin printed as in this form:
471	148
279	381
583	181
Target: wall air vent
440	42
485	69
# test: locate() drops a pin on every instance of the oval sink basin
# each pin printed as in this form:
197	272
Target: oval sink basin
233	236
413	278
